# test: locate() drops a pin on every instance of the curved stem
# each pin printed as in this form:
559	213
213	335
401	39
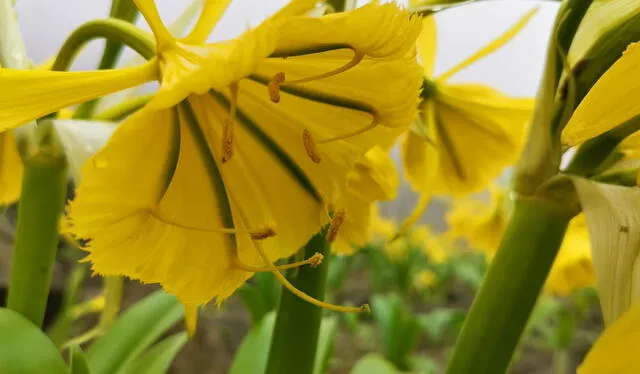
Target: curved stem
111	29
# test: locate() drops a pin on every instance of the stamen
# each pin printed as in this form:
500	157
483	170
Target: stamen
311	300
357	57
334	227
369	127
255	234
274	87
310	146
313	261
278	80
227	132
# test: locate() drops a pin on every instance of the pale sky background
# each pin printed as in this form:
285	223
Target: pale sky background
515	69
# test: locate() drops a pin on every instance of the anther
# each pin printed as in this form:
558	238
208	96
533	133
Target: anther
227	130
227	140
334	227
365	308
316	260
274	87
265	233
311	300
310	146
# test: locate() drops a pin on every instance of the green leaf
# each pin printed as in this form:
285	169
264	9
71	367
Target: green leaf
613	218
24	349
261	296
423	365
78	361
133	332
441	322
398	328
253	353
158	358
373	364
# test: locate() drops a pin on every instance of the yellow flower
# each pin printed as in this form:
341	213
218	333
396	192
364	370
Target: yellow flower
231	165
11	169
425	279
374	178
615	350
573	268
467	133
610	102
481	224
381	227
435	246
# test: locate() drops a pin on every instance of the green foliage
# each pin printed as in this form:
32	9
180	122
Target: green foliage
138	328
261	296
442	324
157	359
78	363
374	364
253	353
24	349
398	328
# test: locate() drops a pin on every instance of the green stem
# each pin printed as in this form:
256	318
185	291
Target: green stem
127	11
111	29
510	289
561	361
44	190
295	335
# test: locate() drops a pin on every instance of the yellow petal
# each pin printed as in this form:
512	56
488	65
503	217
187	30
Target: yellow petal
374	178
29	94
478	133
493	46
480	224
11	169
615	351
191	319
419	160
168	236
572	268
610	102
151	15
209	17
427	45
373	30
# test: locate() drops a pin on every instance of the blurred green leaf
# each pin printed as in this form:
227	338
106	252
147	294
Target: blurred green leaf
469	270
134	331
338	271
423	365
261	296
373	364
78	361
398	328
24	349
442	322
253	353
157	359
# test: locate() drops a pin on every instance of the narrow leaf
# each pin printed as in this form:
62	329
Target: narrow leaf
78	361
158	358
374	364
133	332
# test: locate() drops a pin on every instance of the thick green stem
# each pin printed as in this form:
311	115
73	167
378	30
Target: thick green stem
510	289
295	335
44	190
127	11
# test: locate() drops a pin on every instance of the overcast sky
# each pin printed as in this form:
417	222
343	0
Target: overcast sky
515	69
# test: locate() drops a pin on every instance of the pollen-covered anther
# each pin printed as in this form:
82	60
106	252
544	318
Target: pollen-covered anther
316	260
227	140
310	146
274	87
365	308
264	233
336	222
